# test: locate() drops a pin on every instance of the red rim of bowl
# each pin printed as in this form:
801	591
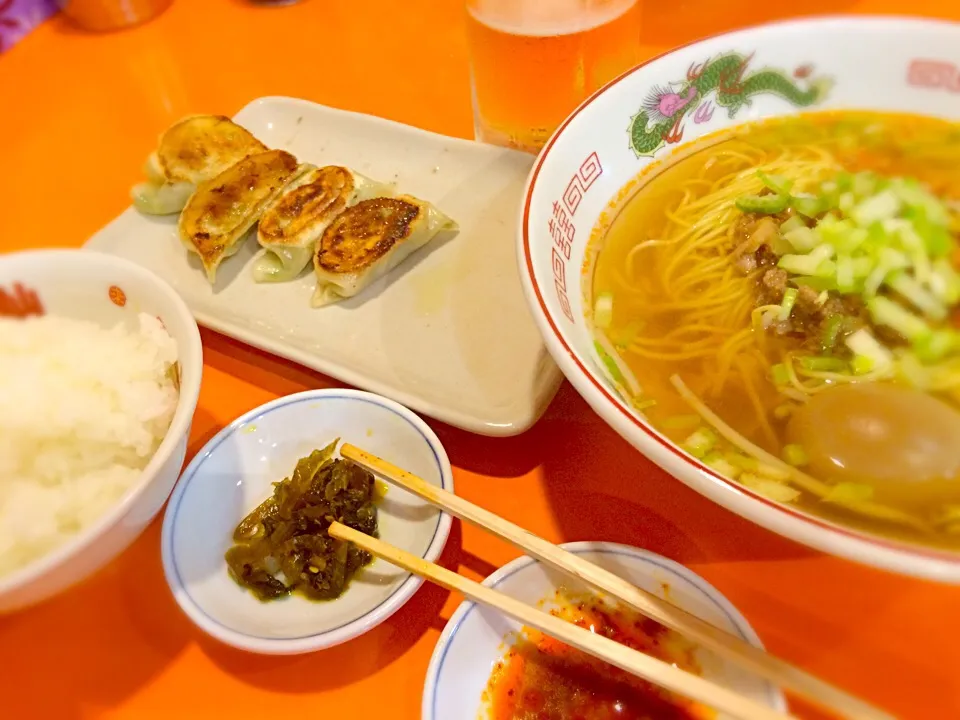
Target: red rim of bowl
907	548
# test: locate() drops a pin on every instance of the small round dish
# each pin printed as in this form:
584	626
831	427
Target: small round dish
476	637
233	473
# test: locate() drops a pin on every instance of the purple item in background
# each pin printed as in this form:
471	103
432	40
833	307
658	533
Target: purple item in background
18	17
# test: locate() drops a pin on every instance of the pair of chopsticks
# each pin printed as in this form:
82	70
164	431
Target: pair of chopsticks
774	669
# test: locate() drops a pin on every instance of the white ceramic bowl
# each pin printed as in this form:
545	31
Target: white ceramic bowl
893	64
233	474
89	286
473	640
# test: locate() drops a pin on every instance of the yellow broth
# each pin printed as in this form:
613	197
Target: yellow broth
677	312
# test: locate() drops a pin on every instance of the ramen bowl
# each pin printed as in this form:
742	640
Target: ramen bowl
667	109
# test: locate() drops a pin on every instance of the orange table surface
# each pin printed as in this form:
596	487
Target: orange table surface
78	115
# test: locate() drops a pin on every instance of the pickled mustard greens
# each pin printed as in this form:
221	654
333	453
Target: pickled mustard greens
283	546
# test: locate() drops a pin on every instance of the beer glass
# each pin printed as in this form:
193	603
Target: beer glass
534	61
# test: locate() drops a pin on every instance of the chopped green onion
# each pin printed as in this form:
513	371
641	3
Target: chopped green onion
831	227
868	354
781	376
912	370
937	345
744	462
847	492
603	310
723	466
914	195
823	364
862	267
872	236
884	311
844	181
779	184
701	442
826	269
820	284
823	252
938	242
830	194
847	202
845	276
780	246
770	488
862	365
883	206
786	305
936	236
763	204
842	234
794	263
916	249
773	472
854	239
803	239
609	364
792	224
918	296
889	261
864	184
808	264
794	455
807	205
944	282
877	237
755	467
831	332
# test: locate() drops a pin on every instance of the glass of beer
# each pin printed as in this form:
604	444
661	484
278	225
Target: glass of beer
534	61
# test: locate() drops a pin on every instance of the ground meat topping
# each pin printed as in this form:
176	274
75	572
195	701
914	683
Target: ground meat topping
812	315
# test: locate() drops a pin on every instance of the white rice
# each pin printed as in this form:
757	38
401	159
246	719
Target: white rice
82	411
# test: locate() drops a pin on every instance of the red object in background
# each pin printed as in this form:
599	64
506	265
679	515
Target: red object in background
19	301
104	15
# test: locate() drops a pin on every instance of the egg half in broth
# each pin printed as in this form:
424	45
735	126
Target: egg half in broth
902	442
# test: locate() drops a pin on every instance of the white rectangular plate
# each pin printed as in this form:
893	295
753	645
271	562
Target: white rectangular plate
447	333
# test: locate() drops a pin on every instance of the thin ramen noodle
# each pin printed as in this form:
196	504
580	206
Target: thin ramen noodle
784	302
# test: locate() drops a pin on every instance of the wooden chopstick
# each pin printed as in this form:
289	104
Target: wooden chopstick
813	689
626	658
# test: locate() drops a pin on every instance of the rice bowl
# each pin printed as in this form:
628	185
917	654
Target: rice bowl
75	435
132	438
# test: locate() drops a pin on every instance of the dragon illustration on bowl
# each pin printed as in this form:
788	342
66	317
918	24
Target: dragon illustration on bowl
722	81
